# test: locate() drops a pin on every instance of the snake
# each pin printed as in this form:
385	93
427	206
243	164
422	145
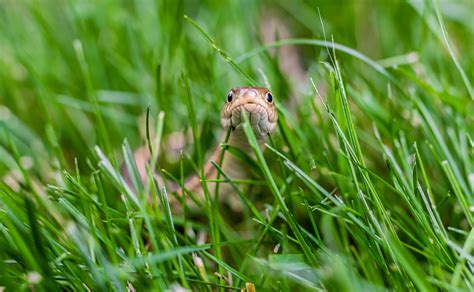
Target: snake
259	105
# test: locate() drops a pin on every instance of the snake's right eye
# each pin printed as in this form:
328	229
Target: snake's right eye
269	97
230	96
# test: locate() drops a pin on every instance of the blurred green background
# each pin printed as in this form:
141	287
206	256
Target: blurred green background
135	51
75	74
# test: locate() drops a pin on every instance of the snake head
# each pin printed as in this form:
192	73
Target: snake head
257	102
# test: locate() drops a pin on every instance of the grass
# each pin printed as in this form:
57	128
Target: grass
367	183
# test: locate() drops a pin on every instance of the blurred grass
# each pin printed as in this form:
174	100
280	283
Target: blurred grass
367	184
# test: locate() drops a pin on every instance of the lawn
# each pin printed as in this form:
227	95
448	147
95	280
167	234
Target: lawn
367	183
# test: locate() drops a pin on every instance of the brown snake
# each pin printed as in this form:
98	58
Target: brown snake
258	103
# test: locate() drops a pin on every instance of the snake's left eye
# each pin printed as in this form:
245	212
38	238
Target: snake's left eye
230	96
269	97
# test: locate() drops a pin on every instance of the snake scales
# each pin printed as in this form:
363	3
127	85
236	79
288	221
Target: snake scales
258	104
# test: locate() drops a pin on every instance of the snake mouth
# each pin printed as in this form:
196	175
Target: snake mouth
258	116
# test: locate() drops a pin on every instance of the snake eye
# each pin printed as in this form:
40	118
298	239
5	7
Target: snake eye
230	96
269	97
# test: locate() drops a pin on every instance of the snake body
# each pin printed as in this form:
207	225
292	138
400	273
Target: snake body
258	104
